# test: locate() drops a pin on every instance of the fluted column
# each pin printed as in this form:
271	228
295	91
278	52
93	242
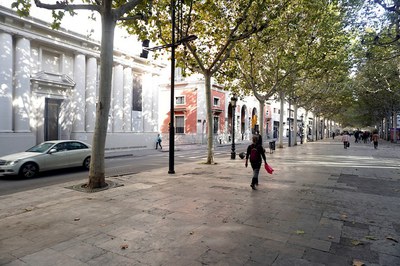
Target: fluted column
117	107
6	70
22	94
79	94
91	81
128	82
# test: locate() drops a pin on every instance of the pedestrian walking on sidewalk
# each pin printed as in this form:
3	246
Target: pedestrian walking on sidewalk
158	141
375	138
256	153
346	139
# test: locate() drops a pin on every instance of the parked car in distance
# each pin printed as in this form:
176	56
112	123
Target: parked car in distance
48	155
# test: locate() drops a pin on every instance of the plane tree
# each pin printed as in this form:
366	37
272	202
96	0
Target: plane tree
218	25
376	71
377	90
306	40
110	11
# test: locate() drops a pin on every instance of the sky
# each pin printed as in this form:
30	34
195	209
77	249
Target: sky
81	24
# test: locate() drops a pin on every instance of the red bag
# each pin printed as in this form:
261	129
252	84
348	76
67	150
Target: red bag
268	168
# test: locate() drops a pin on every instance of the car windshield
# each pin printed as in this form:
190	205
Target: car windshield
42	147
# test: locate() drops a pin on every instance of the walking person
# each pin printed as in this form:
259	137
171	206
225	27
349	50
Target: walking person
158	141
346	139
256	154
375	138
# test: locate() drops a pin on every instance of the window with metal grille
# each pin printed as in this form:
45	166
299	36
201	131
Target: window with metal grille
137	94
180	100
216	124
179	124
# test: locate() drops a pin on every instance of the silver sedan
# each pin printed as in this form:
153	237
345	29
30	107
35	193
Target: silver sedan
49	155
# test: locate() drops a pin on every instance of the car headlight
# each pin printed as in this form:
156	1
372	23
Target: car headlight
12	162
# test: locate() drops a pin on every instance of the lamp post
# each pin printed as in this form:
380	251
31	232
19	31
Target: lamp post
322	129
301	129
174	43
171	169
233	103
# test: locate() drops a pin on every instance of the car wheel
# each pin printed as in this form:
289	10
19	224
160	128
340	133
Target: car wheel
29	170
86	163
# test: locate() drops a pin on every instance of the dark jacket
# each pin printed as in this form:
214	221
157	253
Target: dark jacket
261	152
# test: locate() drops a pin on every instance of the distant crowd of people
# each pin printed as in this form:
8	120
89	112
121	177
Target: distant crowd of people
361	136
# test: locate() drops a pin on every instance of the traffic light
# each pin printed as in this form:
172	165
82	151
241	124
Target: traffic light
145	53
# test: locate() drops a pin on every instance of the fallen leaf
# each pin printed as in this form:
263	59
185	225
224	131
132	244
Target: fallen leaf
356	243
358	263
370	238
28	209
300	232
343	216
77	219
191	233
124	246
391	238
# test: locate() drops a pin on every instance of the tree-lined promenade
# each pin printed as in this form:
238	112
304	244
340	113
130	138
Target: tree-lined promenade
338	59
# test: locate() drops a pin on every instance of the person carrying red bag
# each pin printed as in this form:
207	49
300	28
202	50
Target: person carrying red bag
256	153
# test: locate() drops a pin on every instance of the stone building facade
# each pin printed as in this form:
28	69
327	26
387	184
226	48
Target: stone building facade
49	85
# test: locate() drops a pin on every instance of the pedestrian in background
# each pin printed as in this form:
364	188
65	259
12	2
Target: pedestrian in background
375	138
158	141
256	154
346	139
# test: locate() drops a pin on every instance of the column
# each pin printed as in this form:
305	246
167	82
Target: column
6	70
118	99
90	96
128	78
78	100
22	87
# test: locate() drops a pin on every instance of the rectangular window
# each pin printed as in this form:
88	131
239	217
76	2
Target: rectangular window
180	100
216	101
179	124
137	94
51	62
216	124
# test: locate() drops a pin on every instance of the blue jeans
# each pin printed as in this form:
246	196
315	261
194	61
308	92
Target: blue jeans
254	180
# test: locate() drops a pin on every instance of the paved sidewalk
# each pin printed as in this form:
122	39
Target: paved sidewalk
324	205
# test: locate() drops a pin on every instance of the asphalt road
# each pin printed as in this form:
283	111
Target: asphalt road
122	164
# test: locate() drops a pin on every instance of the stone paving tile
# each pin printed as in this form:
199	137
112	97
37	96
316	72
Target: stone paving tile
326	258
209	215
57	259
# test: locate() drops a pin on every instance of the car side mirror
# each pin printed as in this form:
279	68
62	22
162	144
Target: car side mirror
52	151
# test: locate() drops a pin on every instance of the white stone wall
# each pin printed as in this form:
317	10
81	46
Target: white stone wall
37	63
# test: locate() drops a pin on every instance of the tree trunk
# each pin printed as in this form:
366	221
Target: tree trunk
262	132
210	128
295	124
305	127
97	172
394	140
282	98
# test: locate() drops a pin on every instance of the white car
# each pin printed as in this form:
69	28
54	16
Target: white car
49	155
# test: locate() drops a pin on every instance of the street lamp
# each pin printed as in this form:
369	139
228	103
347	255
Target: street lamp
301	129
233	103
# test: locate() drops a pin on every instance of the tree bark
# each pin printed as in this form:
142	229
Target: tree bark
295	125
97	171
282	99
210	143
262	117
